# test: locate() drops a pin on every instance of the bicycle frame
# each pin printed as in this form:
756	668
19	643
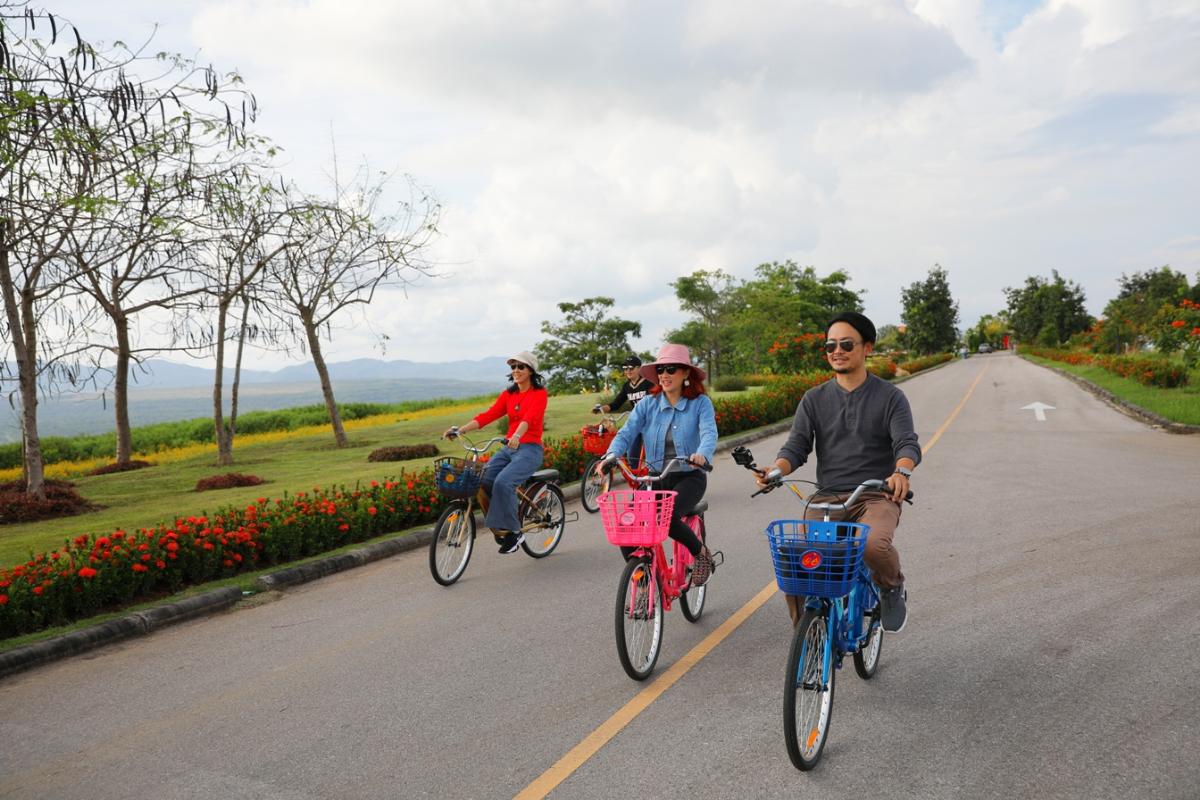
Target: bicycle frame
672	575
474	453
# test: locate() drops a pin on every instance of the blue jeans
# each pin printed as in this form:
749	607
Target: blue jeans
505	471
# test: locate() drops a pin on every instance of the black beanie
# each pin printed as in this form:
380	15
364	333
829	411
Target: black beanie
864	326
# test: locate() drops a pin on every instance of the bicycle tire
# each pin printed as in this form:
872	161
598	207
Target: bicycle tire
691	599
591	486
454	538
866	658
546	499
639	640
807	698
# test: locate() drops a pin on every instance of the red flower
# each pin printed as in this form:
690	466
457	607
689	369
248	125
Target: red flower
172	547
38	590
87	572
343	527
1178	323
140	568
372	511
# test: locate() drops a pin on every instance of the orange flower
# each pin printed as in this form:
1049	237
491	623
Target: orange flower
1178	323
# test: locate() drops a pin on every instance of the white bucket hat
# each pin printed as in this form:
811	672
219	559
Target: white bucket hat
525	357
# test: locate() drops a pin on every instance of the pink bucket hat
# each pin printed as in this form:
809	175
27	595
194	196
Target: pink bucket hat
672	354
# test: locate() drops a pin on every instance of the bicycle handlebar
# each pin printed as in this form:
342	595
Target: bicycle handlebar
610	460
470	446
775	479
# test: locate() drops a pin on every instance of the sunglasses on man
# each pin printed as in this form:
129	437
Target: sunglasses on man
670	369
847	345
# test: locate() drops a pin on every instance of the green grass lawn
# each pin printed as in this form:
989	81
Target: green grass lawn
1178	405
144	498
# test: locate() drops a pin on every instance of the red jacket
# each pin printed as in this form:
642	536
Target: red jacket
528	406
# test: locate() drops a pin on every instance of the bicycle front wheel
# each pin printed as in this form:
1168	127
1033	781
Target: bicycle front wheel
866	660
591	486
808	690
639	619
453	541
548	509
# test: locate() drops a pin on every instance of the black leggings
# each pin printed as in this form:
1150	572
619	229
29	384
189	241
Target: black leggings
689	487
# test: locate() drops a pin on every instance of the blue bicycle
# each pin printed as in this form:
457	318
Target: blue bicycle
821	560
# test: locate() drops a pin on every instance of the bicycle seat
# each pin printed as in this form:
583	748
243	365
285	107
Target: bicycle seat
543	476
696	510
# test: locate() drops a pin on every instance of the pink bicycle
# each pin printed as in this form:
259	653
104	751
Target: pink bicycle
649	583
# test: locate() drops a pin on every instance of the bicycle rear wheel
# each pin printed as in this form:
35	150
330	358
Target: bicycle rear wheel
549	509
591	486
639	618
808	690
866	660
692	598
453	541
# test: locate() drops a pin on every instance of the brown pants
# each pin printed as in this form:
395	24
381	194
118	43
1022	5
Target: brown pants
883	515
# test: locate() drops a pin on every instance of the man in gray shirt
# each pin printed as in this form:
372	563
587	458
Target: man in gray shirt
862	428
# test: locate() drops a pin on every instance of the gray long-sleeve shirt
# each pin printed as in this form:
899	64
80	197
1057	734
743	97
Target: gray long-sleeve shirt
859	435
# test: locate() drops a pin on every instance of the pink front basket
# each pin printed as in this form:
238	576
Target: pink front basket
636	518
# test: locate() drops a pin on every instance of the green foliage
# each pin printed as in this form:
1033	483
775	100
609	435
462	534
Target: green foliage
991	329
730	383
751	326
1156	370
584	344
1176	329
931	314
1044	309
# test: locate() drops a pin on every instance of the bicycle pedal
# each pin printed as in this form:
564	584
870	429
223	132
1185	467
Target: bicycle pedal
718	558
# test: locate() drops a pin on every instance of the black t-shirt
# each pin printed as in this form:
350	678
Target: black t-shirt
630	392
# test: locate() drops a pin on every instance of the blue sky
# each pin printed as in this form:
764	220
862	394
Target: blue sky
609	146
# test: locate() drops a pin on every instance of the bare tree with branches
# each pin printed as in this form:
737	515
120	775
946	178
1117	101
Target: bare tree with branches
346	252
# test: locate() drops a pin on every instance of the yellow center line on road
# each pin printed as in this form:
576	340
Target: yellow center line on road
578	755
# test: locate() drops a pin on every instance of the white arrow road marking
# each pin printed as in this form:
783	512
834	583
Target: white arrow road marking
1039	410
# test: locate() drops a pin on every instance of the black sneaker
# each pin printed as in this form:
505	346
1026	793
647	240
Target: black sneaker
511	542
893	611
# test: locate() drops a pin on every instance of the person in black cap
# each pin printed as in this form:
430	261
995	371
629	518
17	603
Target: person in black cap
862	429
634	389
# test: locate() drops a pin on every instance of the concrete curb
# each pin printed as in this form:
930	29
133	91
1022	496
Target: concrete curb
145	622
1124	406
139	623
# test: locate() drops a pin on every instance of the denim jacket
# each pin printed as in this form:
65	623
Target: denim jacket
693	426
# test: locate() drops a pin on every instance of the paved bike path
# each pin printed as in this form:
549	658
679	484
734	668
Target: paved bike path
378	683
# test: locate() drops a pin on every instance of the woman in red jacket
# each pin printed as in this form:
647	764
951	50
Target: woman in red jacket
524	402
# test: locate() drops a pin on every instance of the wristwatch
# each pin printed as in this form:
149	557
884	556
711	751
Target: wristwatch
904	471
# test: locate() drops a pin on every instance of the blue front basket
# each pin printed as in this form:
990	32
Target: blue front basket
814	558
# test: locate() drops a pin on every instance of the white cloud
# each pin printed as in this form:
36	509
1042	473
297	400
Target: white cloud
607	147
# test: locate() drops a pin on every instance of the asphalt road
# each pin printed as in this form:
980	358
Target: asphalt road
1054	578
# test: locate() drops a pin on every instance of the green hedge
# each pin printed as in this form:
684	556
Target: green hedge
1154	370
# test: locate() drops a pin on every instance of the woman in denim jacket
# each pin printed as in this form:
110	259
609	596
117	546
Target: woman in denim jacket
676	420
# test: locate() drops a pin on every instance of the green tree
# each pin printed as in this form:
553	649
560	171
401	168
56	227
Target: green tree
711	297
931	313
583	344
783	301
1043	310
1128	317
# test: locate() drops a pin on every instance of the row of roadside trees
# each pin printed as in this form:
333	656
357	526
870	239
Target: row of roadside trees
138	203
773	322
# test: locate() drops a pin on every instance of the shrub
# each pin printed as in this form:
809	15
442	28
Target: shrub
117	466
729	383
1146	370
403	452
61	501
925	362
882	366
227	481
757	379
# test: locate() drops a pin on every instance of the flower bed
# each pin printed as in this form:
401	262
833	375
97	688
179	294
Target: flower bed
1146	370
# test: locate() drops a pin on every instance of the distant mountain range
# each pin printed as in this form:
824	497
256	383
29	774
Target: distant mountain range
162	374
